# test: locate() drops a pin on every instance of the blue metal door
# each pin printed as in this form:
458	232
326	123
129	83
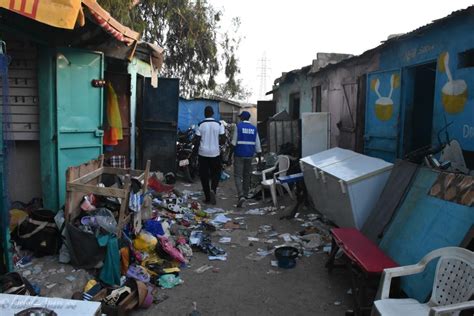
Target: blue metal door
79	110
383	115
159	117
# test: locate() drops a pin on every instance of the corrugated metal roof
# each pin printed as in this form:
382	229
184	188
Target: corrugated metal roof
454	14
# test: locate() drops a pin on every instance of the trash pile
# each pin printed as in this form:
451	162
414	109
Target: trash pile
130	268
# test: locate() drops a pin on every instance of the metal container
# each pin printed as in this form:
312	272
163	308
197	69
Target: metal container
345	185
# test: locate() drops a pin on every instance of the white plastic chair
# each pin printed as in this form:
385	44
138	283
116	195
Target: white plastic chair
453	285
283	164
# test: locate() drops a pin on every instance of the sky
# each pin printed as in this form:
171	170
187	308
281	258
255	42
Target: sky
290	33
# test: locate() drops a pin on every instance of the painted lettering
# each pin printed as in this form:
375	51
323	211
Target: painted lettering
468	131
410	54
425	49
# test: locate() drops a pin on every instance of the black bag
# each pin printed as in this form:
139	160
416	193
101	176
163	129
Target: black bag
38	233
83	248
14	283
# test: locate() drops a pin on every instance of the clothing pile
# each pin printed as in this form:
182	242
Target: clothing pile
131	267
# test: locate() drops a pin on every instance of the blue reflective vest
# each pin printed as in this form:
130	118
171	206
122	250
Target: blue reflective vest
246	137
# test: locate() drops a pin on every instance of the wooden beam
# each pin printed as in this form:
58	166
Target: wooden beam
122	172
86	188
88	177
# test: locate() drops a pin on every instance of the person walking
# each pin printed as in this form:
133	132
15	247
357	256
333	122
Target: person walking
209	135
245	144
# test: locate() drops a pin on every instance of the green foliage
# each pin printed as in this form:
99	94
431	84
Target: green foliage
195	50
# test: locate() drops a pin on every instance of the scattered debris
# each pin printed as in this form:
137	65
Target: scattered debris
225	240
203	268
218	257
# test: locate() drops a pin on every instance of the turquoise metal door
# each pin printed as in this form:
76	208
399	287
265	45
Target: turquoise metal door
382	115
79	110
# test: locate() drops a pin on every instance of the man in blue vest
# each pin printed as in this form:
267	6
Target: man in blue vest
245	144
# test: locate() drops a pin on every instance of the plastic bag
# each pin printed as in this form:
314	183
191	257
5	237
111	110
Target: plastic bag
106	220
169	281
145	242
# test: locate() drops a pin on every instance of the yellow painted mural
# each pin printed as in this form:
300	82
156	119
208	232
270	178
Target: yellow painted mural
57	13
384	105
454	92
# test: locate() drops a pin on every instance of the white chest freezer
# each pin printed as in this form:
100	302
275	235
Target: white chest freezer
345	185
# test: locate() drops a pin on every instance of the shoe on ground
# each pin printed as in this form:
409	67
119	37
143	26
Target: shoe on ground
213	198
241	201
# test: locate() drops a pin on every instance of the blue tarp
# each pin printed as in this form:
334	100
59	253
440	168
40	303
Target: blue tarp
191	112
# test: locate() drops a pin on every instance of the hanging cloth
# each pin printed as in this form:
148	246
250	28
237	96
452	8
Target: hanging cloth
114	132
110	272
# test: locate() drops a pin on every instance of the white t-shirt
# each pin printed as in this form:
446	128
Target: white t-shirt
209	130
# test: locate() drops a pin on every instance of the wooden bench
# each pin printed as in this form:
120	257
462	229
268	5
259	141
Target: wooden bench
366	263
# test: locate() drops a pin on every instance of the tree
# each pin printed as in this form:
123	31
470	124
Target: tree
195	50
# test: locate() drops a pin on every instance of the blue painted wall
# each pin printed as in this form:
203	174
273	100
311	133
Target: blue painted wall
424	223
444	40
191	112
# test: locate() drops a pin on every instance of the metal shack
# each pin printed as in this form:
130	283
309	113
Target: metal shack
56	61
422	88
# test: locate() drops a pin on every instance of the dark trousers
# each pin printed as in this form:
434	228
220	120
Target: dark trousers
209	170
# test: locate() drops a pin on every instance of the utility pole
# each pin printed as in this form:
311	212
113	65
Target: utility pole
263	70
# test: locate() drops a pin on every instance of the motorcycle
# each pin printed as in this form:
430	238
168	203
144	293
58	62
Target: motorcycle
186	158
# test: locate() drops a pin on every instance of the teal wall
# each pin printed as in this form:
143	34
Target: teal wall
48	127
302	85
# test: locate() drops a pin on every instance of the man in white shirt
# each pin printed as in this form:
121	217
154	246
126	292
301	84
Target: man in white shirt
208	136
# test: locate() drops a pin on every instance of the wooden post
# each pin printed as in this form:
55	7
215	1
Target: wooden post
123	213
147	175
68	204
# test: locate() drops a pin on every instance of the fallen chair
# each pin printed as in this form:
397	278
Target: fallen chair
452	288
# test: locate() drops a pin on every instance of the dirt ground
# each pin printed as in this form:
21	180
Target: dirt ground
245	287
238	286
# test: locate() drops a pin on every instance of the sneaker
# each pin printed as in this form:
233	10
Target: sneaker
241	201
213	198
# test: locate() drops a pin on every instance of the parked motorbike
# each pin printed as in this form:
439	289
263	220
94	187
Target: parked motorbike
186	158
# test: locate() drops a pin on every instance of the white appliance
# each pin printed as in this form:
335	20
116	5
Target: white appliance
345	185
315	132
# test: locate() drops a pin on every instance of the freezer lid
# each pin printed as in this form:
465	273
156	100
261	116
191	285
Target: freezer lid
328	157
356	168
